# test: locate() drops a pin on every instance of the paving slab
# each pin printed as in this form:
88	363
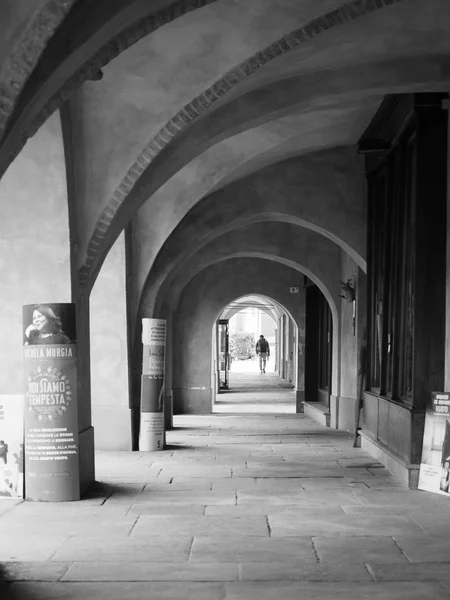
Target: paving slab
180	484
246	509
217	471
308	471
220	526
334	591
424	548
200	496
45	529
349	550
6	505
153	548
151	571
241	484
298	571
252	549
324	484
305	498
34	571
288	524
155	508
439	571
30	547
374	510
434	523
403	497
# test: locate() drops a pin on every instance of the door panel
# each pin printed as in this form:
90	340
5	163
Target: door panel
223	355
318	347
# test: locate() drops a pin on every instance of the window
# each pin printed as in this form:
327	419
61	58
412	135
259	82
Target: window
324	343
391	272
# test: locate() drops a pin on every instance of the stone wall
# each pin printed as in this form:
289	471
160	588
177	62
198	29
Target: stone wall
109	354
34	242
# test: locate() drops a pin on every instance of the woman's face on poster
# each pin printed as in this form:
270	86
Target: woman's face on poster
40	321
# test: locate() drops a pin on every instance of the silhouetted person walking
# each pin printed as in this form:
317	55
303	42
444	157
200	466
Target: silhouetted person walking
263	351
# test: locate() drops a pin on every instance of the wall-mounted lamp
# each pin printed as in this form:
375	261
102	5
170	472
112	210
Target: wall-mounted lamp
348	290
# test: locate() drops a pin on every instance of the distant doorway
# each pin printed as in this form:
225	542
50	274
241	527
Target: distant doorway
239	384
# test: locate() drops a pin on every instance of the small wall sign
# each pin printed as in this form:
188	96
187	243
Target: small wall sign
441	403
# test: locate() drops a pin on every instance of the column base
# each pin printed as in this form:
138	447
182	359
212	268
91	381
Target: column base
108	419
87	459
316	411
192	401
343	413
406	472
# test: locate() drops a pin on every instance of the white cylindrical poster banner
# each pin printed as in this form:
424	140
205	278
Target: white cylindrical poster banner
151	437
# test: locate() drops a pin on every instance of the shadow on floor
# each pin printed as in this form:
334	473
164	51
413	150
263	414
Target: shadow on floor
7	591
169	447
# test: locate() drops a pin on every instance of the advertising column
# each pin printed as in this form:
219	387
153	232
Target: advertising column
151	436
51	415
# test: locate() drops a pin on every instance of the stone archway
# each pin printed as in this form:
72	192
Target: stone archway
284	353
238	382
201	301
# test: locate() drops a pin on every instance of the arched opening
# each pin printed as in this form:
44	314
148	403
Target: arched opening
197	305
244	379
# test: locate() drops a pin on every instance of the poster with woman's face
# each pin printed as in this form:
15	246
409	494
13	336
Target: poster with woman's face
51	323
50	401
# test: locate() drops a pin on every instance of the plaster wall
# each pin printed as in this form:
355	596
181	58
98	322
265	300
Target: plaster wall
200	303
34	242
109	357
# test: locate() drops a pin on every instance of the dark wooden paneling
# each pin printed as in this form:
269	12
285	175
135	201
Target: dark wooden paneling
311	344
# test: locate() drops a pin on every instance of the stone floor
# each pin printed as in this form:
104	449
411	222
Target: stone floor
249	391
239	507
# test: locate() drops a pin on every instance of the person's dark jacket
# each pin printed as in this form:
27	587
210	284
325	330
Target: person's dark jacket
262	345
